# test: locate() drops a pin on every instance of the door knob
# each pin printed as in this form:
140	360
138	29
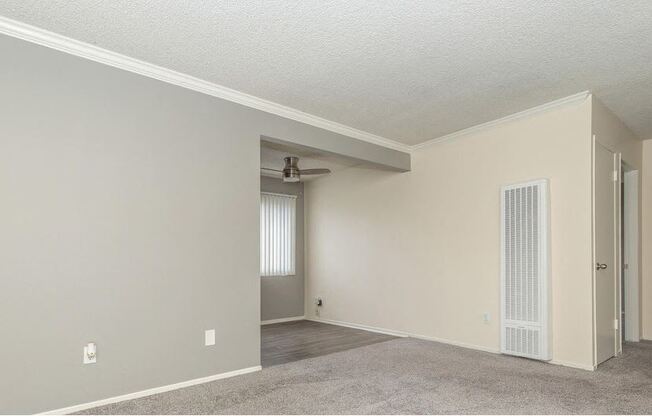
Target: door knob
599	266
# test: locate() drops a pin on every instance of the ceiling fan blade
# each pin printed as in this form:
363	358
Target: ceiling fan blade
273	170
314	171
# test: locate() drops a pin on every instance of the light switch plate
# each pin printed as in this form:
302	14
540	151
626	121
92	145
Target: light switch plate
209	337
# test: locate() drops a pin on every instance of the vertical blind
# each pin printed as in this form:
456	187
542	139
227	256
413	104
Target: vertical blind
277	234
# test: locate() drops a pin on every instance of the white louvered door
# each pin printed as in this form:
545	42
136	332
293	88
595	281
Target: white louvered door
525	284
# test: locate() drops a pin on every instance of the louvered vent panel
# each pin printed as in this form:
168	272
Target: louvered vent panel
522	341
524	295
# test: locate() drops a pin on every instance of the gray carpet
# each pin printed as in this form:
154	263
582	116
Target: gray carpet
411	376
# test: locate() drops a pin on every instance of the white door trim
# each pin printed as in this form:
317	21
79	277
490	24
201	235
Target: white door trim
593	255
630	257
618	248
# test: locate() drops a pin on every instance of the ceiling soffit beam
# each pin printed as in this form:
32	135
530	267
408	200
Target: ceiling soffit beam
356	152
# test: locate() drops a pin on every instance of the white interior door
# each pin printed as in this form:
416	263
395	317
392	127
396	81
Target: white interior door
605	253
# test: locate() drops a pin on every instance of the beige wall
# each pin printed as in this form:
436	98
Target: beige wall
647	242
419	252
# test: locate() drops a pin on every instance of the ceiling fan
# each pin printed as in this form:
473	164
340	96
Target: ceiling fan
292	173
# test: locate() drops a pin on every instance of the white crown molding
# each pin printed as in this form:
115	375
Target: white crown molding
85	50
571	99
150	392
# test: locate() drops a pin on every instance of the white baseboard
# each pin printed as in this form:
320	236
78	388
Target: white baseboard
406	334
572	365
149	392
441	340
497	351
281	320
363	327
456	343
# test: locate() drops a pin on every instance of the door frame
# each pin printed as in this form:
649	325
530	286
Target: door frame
617	247
631	254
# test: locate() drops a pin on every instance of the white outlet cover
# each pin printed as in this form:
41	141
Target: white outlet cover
87	359
209	337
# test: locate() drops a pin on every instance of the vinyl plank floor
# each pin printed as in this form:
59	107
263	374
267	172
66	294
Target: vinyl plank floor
298	340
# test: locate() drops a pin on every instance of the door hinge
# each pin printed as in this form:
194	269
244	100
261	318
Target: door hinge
616	324
615	176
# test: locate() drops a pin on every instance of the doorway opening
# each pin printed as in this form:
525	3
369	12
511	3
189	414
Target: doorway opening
290	327
616	241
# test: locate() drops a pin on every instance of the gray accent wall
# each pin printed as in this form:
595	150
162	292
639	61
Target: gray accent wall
282	296
129	217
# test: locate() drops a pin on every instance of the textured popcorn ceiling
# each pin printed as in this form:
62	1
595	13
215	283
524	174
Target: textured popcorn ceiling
408	71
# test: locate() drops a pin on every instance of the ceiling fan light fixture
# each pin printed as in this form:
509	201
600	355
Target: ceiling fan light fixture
291	170
291	177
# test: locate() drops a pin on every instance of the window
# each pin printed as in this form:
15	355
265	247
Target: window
277	234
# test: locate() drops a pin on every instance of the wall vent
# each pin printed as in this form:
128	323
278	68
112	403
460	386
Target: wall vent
525	282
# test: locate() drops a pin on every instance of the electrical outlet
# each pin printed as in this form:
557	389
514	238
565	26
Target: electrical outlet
318	304
486	317
209	337
90	353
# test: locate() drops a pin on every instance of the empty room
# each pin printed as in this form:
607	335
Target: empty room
325	207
